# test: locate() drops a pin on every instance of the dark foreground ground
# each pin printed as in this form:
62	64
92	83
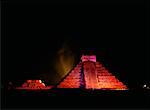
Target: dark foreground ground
75	99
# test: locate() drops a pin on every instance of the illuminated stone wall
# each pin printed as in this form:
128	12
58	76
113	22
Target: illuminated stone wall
73	79
106	80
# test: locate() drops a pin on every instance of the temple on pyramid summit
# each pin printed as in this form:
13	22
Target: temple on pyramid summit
91	74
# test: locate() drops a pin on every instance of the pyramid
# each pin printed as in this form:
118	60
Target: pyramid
91	74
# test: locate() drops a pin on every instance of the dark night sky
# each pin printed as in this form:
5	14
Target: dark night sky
35	32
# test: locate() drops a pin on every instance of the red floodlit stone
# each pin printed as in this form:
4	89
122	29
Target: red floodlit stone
94	74
29	81
33	85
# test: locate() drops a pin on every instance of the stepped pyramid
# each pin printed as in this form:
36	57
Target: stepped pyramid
90	74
